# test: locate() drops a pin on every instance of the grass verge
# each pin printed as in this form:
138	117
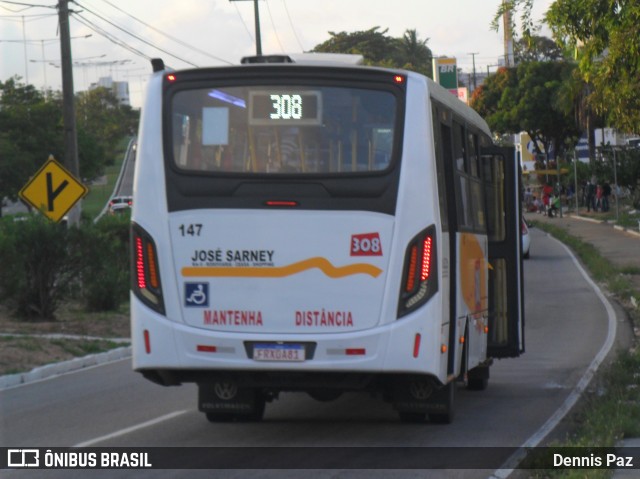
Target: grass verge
24	353
610	410
25	345
99	193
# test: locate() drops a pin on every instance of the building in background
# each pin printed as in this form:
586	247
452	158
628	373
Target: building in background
119	88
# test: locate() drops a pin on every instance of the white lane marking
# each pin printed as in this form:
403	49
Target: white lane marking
127	430
508	467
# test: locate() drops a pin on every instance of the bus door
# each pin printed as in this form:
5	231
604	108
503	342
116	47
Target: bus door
501	178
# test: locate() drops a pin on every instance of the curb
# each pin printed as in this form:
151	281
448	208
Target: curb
55	369
627	230
617	227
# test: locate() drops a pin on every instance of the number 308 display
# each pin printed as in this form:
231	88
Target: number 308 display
287	108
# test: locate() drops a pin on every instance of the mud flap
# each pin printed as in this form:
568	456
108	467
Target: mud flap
225	400
416	397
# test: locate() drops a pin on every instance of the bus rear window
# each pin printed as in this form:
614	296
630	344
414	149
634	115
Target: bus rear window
283	129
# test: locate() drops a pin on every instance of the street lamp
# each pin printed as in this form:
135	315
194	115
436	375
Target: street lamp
44	61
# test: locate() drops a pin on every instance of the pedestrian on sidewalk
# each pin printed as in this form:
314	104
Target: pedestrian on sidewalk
537	205
591	195
598	197
554	206
606	193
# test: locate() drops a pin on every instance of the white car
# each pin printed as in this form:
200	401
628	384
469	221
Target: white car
119	204
526	239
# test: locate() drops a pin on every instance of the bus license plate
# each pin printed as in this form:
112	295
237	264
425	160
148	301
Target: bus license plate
278	352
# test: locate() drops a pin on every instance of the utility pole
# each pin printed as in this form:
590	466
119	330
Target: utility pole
508	36
473	55
26	65
256	15
68	107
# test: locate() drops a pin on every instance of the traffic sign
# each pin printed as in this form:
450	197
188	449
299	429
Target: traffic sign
53	190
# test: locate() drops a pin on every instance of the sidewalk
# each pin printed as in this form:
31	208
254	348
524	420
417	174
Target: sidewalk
618	245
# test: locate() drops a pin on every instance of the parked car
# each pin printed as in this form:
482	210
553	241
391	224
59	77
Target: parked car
120	204
526	239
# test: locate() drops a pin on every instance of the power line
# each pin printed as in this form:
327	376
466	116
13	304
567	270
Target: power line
243	22
177	40
275	30
135	36
256	17
28	18
95	28
22	4
284	2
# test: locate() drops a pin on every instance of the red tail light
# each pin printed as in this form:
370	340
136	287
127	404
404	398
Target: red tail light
420	281
280	203
411	274
140	274
145	277
426	258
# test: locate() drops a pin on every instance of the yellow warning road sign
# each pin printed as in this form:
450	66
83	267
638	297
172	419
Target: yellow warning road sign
53	190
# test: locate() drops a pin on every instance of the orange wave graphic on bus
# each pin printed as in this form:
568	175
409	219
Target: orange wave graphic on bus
322	264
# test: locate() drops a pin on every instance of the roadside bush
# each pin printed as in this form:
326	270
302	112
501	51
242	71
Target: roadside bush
105	263
38	267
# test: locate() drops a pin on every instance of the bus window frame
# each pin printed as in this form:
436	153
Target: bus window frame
301	78
377	190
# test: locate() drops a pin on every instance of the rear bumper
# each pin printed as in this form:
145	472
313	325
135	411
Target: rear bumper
278	380
171	353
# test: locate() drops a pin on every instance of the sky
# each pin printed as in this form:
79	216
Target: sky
220	32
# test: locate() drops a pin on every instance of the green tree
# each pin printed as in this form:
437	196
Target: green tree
30	130
604	35
537	49
39	265
415	55
100	115
377	48
525	98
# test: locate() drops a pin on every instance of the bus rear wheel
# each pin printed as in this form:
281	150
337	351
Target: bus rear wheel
478	378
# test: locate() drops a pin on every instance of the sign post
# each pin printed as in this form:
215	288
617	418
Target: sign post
53	190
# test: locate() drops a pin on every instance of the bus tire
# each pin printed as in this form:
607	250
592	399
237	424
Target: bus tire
478	378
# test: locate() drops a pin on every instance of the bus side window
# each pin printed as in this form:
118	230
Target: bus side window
493	178
476	191
441	137
463	198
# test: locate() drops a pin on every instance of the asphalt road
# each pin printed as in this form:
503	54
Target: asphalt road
569	328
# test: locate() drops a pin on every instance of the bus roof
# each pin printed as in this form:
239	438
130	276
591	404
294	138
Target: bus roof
437	92
444	96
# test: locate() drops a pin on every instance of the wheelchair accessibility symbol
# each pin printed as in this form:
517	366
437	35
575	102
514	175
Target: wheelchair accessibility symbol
196	294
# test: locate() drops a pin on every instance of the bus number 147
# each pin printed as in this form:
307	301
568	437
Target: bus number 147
190	230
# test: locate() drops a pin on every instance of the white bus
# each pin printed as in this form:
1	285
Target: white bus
321	229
